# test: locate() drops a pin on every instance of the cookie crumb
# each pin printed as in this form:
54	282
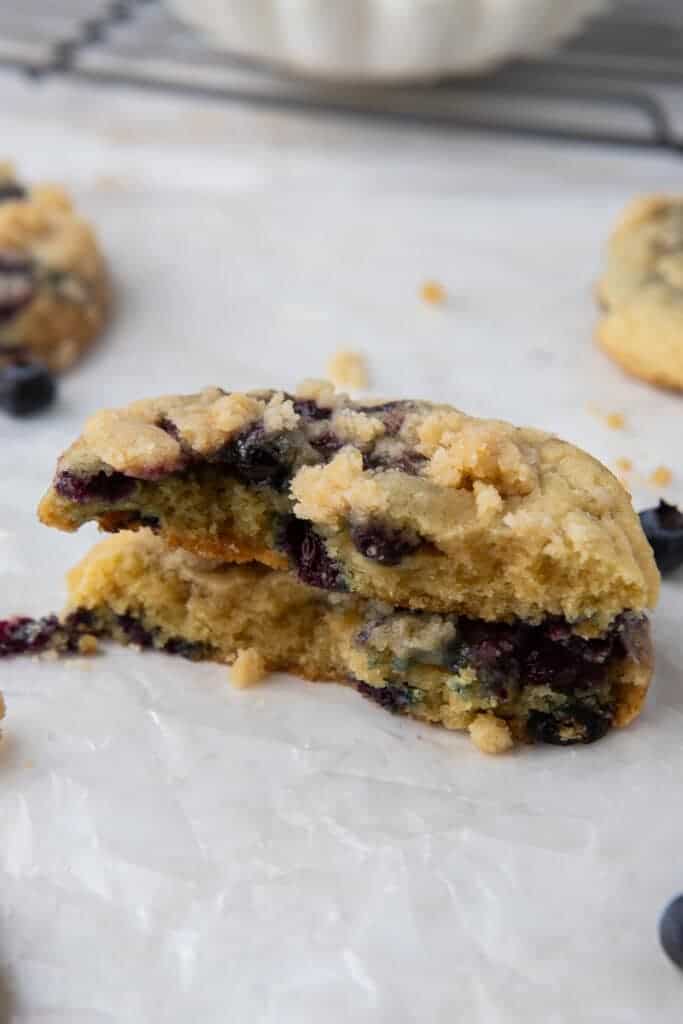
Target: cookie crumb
87	644
491	734
623	464
51	655
661	477
433	293
347	369
248	668
615	420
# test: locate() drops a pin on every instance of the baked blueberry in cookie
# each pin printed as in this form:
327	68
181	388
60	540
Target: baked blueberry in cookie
504	682
54	289
417	505
641	291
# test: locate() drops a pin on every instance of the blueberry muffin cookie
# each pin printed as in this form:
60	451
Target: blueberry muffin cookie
641	292
413	504
504	682
54	290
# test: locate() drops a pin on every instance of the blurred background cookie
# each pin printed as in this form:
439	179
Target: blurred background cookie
54	287
641	292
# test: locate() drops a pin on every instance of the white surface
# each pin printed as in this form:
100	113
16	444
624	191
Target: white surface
367	39
174	850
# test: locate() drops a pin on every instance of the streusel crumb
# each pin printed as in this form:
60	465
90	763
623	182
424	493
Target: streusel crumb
491	734
348	370
433	293
248	668
661	477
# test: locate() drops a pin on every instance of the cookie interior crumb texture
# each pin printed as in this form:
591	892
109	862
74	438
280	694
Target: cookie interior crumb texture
407	502
347	369
501	681
248	668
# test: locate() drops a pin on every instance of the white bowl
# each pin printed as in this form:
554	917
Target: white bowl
357	40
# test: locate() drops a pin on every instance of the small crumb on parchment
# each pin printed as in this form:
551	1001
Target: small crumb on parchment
347	369
623	464
660	477
615	420
87	644
491	734
248	668
433	293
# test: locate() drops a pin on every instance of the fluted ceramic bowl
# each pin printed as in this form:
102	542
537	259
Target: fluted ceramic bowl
361	40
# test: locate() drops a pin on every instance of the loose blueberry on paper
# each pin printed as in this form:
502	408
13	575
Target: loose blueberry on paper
671	931
25	388
663	528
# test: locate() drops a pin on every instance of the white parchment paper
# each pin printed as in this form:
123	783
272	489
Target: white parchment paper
172	850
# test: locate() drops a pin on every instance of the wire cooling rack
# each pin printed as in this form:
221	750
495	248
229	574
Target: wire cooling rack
620	82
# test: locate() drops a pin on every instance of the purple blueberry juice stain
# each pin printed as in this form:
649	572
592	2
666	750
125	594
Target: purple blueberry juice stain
101	486
307	550
393	697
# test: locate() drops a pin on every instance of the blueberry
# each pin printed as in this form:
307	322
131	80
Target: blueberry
108	487
392	697
310	410
190	649
663	528
392	414
134	631
671	931
16	284
26	388
306	548
327	444
256	458
384	544
408	462
10	190
586	724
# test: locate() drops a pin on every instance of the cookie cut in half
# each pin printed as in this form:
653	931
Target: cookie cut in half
54	286
641	292
416	505
503	681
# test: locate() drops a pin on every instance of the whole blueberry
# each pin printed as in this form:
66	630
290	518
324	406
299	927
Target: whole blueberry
308	552
663	528
26	387
10	190
671	931
382	543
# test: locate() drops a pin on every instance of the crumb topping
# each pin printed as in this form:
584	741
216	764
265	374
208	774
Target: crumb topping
328	494
482	452
348	370
491	734
357	427
248	668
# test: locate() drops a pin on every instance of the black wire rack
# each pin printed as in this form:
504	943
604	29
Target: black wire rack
619	82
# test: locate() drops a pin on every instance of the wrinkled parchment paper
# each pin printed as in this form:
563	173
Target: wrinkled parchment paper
174	850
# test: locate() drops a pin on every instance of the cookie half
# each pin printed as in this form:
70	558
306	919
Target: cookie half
503	682
414	504
641	292
54	286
